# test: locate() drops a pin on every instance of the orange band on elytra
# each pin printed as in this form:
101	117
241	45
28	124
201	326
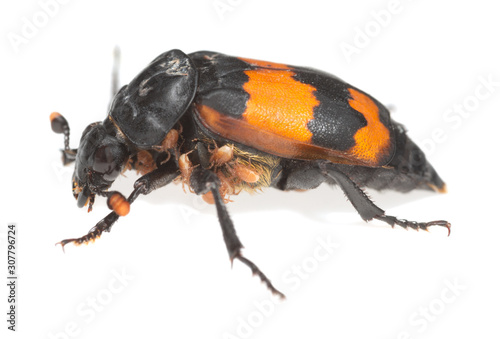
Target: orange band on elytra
372	141
274	94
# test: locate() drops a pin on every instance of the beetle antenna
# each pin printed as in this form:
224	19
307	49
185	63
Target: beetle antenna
60	125
115	75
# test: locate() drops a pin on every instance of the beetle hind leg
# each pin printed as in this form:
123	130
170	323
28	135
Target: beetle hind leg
413	224
366	208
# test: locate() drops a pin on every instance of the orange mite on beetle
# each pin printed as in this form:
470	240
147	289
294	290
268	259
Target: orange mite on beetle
221	124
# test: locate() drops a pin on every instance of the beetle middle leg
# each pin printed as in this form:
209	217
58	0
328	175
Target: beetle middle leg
203	181
159	177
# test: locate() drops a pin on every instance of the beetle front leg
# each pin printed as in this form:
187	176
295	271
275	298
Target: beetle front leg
366	208
95	232
160	177
203	181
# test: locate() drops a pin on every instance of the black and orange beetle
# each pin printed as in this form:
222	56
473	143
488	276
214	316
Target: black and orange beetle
220	124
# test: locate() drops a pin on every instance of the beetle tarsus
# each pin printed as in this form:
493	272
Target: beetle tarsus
95	232
414	224
256	271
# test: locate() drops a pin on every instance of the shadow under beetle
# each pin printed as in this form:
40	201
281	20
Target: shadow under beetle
220	124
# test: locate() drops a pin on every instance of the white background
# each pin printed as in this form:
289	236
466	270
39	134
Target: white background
426	59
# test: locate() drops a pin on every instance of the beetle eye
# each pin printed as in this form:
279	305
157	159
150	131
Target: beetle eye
106	163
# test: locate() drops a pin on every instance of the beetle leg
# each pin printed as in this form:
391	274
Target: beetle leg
158	178
366	208
414	224
203	181
95	232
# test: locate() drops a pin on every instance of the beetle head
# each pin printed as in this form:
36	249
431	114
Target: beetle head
99	160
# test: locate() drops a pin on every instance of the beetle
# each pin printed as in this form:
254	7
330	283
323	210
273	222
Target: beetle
220	124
